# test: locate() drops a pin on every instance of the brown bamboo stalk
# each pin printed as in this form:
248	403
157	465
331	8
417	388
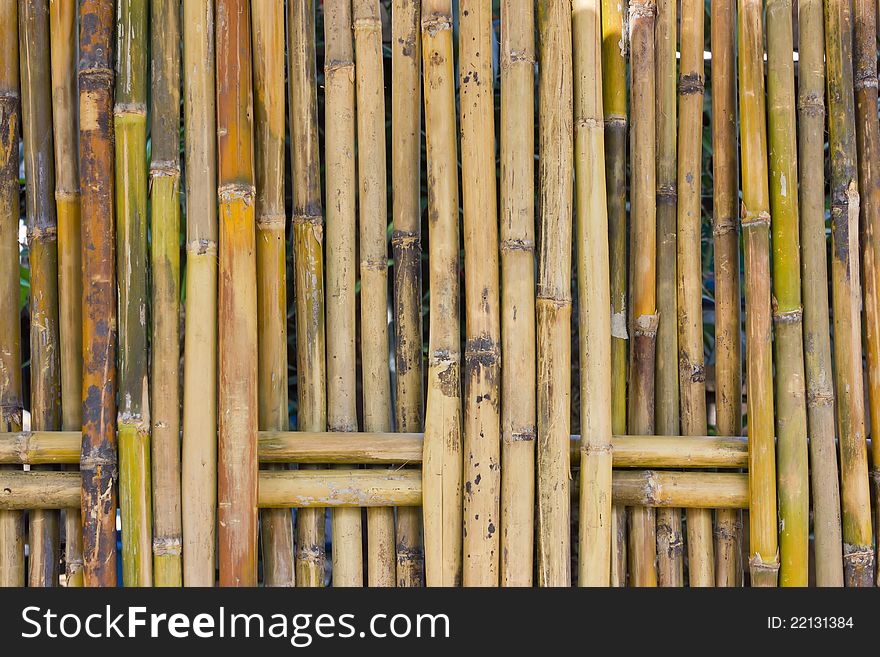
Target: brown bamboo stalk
372	488
38	491
98	460
442	468
691	490
62	26
237	445
308	228
339	130
406	240
518	406
199	450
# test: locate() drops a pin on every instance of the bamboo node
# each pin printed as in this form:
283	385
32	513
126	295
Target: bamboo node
690	84
235	192
270	221
337	65
66	196
405	238
615	121
696	372
511	57
758	566
590	123
667	194
646	325
820	395
367	24
726	532
672	540
202	247
483	351
722	226
754	219
42	233
812	104
588	448
639	9
164	168
443	357
858	557
302	219
9	96
99	75
524	436
789	316
310	554
374	264
167	546
527	246
433	24
865	78
130	109
94	461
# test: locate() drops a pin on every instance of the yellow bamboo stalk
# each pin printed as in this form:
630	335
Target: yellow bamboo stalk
690	490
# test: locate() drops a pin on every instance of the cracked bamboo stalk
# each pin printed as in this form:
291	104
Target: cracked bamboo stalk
339	130
98	460
308	237
62	26
373	225
44	539
406	241
690	490
858	556
267	24
728	298
199	450
594	314
442	460
482	357
763	546
518	393
670	542
642	531
237	300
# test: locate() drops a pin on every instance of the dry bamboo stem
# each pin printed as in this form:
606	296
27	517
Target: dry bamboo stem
44	541
199	453
339	127
482	357
98	460
237	444
406	240
165	265
763	550
691	490
341	488
858	557
643	542
373	224
594	566
41	491
442	469
11	522
267	23
517	292
814	283
308	235
725	232
62	26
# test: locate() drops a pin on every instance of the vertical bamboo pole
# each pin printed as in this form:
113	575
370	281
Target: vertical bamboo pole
614	39
44	539
373	224
725	233
308	235
858	559
62	26
165	264
267	24
482	357
199	453
237	445
11	522
339	127
670	542
594	303
518	394
868	139
763	550
406	240
814	283
791	419
643	543
442	460
98	460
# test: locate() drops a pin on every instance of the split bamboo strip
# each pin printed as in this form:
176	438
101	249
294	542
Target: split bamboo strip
267	23
130	128
728	298
165	265
482	356
858	554
199	451
517	292
41	491
44	540
791	416
642	532
308	235
98	460
11	403
406	240
763	550
62	26
614	39
339	127
691	490
442	468
373	226
594	304
670	542
868	140
341	488
814	283
237	300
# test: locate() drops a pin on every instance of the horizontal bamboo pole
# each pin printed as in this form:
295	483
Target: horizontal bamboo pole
335	488
689	490
20	490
